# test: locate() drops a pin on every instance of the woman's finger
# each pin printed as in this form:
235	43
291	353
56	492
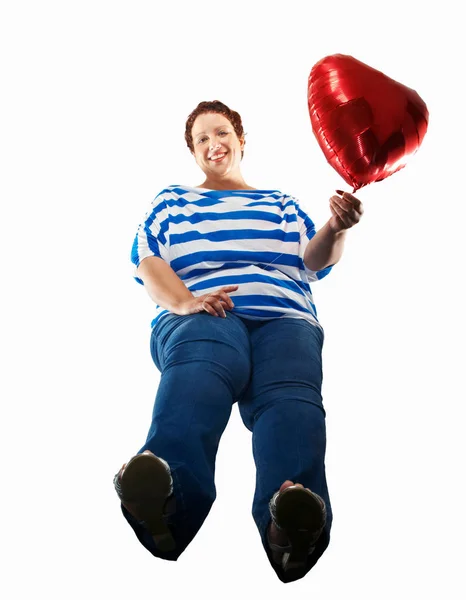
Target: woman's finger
344	203
334	213
223	297
217	305
347	211
228	301
355	202
342	215
206	306
338	201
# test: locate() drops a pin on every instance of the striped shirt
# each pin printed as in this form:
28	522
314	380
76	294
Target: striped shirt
251	238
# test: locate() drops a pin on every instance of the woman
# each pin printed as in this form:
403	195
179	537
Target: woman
229	267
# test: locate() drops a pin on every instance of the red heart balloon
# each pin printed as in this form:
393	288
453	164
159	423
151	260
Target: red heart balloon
367	124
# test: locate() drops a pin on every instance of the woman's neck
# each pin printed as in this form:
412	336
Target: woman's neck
210	187
226	184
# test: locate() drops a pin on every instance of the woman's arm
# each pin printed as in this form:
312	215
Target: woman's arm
162	283
325	248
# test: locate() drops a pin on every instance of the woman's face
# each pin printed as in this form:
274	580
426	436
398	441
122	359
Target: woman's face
214	135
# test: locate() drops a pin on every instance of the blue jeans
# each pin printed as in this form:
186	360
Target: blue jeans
273	369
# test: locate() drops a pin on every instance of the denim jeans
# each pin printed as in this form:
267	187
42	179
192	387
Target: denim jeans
273	369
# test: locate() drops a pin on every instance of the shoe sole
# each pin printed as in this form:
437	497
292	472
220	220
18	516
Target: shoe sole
300	514
145	486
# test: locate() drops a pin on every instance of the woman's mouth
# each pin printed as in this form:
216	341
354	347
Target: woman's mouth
218	157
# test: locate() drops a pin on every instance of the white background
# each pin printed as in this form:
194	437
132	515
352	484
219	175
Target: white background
93	107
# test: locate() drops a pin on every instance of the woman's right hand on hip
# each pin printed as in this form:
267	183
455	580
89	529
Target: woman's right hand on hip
215	303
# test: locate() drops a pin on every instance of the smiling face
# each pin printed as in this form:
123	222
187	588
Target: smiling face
213	136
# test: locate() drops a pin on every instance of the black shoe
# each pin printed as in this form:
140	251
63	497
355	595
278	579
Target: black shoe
301	515
145	488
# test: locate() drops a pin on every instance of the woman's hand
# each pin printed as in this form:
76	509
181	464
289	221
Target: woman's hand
346	211
214	303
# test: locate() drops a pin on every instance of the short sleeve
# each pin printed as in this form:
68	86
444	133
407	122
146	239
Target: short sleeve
151	236
307	231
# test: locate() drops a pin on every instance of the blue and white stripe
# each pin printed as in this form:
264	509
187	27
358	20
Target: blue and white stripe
253	238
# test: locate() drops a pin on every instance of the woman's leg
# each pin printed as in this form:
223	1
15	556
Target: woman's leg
205	366
283	409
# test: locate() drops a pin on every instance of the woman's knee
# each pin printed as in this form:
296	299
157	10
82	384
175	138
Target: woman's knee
203	341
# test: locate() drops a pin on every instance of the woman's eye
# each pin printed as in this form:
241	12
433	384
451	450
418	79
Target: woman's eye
220	133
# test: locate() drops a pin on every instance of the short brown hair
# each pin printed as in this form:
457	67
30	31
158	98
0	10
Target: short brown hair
213	107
